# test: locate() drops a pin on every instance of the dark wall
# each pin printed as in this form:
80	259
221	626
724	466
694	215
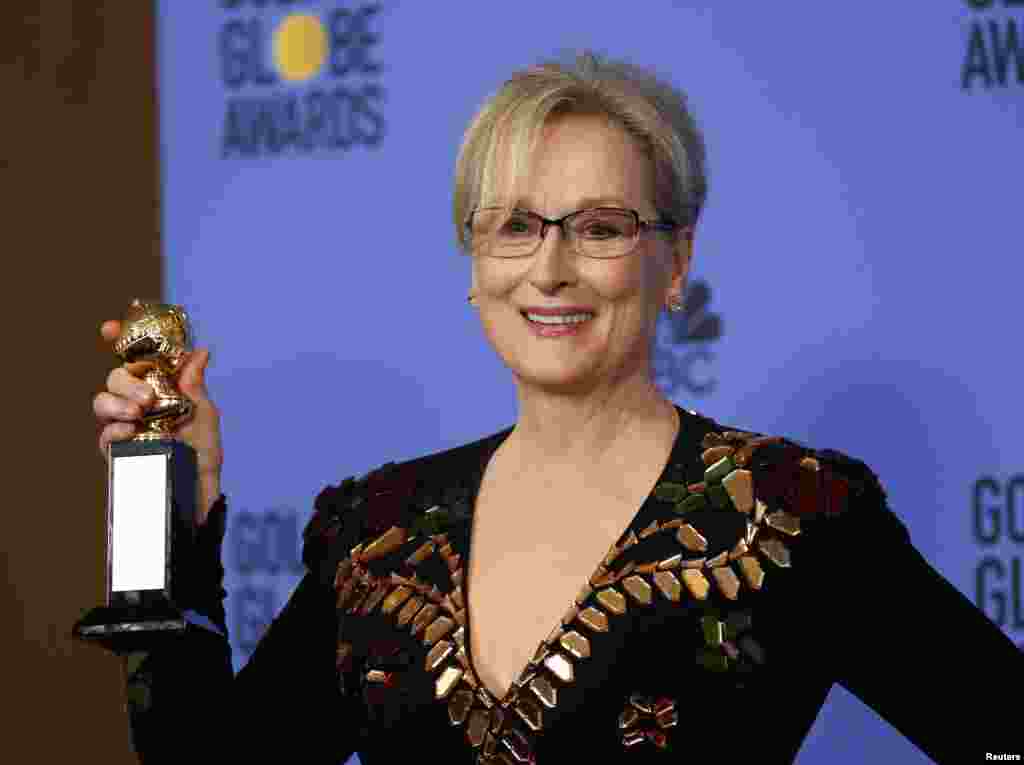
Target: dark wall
79	201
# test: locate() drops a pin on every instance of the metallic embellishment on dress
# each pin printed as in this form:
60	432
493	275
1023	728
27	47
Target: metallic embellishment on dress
545	691
594	619
638	588
446	682
436	655
668	585
613	601
387	542
691	539
576	644
409	611
646	719
459	705
784	522
560	666
501	730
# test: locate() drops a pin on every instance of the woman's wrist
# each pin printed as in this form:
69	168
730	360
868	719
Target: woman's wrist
209	493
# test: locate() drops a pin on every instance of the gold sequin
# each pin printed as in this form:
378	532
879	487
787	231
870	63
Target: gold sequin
739	549
776	551
460	617
560	667
424	617
752	571
397	597
638	588
630	541
454	562
477	727
438	654
718	560
602	577
446	682
691	539
611	599
459	706
377	676
672	562
409	610
584	594
809	463
446	550
458	576
740	485
668	584
643	703
695	583
714	630
545	691
576	644
727	581
760	508
459	636
651	529
628	717
594	619
784	522
517	745
647	568
421	554
694	563
530	712
387	542
718	470
440	627
457	599
374	598
715	453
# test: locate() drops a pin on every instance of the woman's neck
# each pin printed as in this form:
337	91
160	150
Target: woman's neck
604	428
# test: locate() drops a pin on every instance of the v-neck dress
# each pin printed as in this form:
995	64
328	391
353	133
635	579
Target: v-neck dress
757	574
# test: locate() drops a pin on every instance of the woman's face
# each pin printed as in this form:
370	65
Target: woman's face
582	161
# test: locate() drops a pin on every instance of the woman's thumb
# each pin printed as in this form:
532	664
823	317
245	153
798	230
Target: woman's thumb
193	376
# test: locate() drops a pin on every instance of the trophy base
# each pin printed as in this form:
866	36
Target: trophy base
130	628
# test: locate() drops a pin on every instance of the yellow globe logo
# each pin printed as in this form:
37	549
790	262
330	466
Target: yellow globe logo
300	46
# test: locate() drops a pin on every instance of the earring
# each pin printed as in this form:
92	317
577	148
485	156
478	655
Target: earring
675	303
469	297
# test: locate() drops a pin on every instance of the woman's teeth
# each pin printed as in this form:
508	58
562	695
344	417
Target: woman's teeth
574	318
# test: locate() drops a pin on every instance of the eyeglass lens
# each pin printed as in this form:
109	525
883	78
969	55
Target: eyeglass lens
599	233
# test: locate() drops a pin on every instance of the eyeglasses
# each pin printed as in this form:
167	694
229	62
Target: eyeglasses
600	232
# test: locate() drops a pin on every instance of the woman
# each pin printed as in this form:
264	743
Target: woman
644	582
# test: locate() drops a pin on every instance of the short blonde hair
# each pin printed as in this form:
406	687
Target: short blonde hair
651	110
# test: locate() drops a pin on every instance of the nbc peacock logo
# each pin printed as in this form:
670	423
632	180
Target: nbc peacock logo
682	357
299	82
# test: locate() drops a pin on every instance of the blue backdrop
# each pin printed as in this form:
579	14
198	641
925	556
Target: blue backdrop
865	164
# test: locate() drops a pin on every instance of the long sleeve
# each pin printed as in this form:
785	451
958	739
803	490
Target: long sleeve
908	644
185	704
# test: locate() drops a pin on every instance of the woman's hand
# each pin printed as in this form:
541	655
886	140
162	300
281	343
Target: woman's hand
119	411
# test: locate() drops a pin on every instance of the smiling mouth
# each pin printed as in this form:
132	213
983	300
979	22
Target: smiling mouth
559	320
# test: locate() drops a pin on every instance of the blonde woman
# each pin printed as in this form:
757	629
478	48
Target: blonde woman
613	577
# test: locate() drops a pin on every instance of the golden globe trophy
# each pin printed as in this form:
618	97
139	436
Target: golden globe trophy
151	493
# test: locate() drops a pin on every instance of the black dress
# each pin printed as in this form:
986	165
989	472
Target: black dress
757	573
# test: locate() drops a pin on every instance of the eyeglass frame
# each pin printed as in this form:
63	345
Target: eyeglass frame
641	225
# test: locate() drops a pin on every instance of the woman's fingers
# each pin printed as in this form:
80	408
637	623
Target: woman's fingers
116	431
123	383
110	408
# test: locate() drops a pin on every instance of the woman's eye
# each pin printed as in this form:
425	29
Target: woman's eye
516	226
600	231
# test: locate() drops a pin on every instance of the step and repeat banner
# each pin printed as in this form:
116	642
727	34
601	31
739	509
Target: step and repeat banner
855	285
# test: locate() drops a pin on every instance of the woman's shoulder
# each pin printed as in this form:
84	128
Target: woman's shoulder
803	479
407	495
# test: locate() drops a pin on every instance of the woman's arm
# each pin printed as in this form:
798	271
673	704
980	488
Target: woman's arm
185	704
909	644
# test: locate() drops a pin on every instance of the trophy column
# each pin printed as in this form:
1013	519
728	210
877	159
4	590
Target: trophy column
152	491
